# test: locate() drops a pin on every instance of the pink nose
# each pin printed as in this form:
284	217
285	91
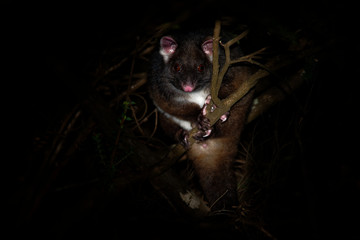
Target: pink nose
188	88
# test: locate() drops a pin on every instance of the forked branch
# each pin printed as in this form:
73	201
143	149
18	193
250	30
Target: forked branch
224	105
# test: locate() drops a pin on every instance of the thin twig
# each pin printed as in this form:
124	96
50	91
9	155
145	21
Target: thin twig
214	81
156	122
130	90
137	120
249	58
219	198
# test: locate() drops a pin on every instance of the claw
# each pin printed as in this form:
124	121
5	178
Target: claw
207	102
207	133
203	111
204	127
208	99
224	117
183	137
202	135
203	123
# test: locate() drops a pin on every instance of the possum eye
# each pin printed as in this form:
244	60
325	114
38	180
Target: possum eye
201	68
177	67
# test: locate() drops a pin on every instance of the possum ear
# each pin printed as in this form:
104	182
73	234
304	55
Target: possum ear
167	47
207	47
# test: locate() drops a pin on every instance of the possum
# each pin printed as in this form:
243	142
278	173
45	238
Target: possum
179	85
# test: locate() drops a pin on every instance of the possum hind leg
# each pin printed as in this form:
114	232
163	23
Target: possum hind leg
213	163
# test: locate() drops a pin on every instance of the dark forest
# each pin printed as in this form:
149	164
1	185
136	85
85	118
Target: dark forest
87	158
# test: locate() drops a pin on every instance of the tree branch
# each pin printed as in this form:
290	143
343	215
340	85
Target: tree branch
223	106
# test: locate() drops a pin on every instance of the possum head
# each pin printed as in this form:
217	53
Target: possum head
188	63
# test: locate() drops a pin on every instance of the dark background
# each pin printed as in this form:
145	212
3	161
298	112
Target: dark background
306	180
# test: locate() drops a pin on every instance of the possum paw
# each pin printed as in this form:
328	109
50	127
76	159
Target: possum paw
201	135
203	123
204	126
206	103
223	117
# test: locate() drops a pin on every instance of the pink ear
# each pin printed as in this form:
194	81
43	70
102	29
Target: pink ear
207	47
167	45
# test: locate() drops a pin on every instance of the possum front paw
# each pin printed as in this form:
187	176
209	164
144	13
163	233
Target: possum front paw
204	127
203	123
223	117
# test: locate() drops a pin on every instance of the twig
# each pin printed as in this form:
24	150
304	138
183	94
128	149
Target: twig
65	128
227	63
215	74
142	49
142	116
130	90
219	198
275	94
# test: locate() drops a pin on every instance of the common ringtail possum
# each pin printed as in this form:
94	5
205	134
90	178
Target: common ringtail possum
179	85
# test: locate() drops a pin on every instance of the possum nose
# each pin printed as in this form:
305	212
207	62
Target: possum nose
188	87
